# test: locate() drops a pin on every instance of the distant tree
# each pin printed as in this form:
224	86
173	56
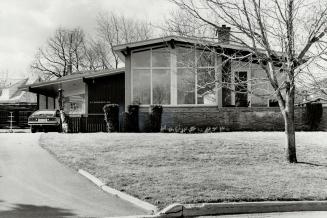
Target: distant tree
182	23
63	54
114	29
96	55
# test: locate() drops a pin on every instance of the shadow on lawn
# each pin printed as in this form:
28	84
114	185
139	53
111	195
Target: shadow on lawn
29	211
312	164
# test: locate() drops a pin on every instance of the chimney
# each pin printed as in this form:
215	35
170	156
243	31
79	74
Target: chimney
69	69
223	34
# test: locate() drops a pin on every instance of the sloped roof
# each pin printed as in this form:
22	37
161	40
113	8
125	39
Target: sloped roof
191	40
13	94
75	76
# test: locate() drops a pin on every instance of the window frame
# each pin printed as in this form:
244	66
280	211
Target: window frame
233	94
173	68
151	68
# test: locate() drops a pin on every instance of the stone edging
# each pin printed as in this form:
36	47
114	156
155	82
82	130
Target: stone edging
142	204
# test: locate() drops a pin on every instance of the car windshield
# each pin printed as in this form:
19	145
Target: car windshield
44	113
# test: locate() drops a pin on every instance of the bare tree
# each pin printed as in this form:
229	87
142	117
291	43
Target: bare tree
294	27
63	53
181	23
96	55
114	29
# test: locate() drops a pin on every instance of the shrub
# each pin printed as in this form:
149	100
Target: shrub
193	129
215	129
155	118
171	130
313	114
133	118
111	116
184	130
208	130
164	129
125	123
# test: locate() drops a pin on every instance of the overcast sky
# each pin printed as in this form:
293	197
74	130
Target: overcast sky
26	24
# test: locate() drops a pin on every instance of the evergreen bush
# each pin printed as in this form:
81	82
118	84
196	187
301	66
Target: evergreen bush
313	114
111	116
155	118
133	118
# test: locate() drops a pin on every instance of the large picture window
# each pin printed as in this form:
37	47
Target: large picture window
161	86
141	86
206	86
151	76
185	86
183	75
196	77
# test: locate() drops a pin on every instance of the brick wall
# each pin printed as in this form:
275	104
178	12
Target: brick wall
323	122
237	119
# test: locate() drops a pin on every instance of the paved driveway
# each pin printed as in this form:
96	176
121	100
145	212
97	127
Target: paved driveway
34	184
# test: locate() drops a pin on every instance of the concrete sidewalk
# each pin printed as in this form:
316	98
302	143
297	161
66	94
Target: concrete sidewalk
34	184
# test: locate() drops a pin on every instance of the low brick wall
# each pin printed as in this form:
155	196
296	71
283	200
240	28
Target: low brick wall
323	122
236	119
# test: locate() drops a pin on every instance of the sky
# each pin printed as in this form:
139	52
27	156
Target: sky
25	25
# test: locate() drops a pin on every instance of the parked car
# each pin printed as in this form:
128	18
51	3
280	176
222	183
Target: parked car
45	120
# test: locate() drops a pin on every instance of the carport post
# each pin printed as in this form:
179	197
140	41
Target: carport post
64	124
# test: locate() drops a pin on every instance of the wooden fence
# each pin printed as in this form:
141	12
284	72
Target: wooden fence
92	123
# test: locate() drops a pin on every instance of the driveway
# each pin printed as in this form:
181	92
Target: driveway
34	184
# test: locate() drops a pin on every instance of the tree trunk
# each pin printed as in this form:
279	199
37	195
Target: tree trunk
290	135
288	114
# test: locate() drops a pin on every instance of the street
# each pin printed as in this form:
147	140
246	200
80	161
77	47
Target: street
34	184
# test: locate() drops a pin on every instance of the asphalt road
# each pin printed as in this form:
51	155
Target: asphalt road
34	184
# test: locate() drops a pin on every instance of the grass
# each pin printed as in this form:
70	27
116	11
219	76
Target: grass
188	168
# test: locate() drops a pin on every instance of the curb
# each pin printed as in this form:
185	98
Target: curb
207	209
142	204
216	209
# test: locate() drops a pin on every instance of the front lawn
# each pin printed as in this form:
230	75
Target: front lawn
187	168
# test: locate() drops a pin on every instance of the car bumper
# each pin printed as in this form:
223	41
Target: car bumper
43	124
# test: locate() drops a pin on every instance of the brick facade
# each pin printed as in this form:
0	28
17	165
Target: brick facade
235	119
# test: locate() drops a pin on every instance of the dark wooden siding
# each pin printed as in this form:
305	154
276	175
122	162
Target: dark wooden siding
92	123
106	90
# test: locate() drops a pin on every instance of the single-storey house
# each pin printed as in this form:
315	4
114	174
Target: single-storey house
197	82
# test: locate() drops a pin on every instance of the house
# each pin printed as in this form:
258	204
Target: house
17	102
194	81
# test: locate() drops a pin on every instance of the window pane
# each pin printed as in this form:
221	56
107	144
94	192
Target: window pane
185	86
206	86
141	59
161	86
161	57
205	58
241	88
141	86
185	57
